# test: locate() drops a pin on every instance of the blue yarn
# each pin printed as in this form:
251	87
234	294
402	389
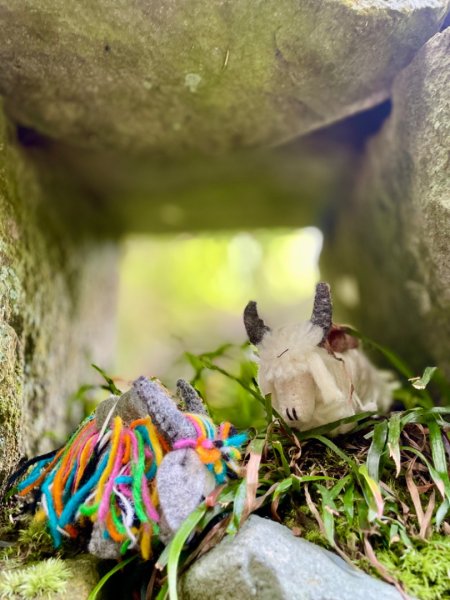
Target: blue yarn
152	471
144	433
211	430
72	506
34	473
127	479
236	440
52	516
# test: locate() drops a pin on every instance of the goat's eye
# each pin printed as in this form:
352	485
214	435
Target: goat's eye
284	352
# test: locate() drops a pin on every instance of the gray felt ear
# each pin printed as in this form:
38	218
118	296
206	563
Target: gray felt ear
182	482
163	411
101	547
194	404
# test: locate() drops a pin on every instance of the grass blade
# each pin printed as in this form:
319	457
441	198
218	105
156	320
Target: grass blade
106	577
420	383
279	448
328	512
394	441
177	544
439	455
375	499
376	450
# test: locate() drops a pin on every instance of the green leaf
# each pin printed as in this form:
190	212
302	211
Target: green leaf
439	455
376	449
111	386
110	573
328	508
282	487
394	440
348	500
420	383
372	493
269	410
327	442
177	544
279	448
308	478
441	513
435	475
162	594
238	507
311	433
340	485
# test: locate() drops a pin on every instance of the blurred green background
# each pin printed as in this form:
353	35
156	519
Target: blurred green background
186	293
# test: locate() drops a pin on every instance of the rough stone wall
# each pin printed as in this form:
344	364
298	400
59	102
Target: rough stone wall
394	236
57	291
172	77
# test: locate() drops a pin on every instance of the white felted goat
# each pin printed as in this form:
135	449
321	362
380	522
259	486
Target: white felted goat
314	370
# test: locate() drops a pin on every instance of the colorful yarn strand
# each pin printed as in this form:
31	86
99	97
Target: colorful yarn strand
108	477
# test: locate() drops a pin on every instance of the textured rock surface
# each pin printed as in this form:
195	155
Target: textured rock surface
265	561
56	308
172	76
84	576
395	235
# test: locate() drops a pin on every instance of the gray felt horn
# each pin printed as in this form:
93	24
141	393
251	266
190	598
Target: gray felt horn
322	313
255	327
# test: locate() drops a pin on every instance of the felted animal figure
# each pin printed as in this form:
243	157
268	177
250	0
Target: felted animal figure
314	370
134	469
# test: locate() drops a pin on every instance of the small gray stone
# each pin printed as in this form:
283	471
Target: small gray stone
183	481
102	547
267	562
129	407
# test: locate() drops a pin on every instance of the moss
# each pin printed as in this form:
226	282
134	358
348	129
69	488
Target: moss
423	569
51	318
36	581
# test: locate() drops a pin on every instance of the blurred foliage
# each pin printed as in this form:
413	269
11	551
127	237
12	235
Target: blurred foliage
187	292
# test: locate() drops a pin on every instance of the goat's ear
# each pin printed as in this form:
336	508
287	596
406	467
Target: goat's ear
254	326
169	421
190	397
322	314
339	340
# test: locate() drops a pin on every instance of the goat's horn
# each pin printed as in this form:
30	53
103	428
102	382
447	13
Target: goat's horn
255	327
323	309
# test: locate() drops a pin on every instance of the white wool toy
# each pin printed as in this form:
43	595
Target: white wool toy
314	371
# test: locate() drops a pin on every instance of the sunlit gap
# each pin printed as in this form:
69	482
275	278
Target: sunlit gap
187	292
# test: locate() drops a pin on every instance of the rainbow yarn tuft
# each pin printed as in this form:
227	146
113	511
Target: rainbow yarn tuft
107	476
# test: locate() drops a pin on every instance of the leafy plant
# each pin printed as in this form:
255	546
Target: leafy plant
380	492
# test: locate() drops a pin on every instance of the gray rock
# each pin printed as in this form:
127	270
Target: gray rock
183	481
203	75
267	562
394	237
